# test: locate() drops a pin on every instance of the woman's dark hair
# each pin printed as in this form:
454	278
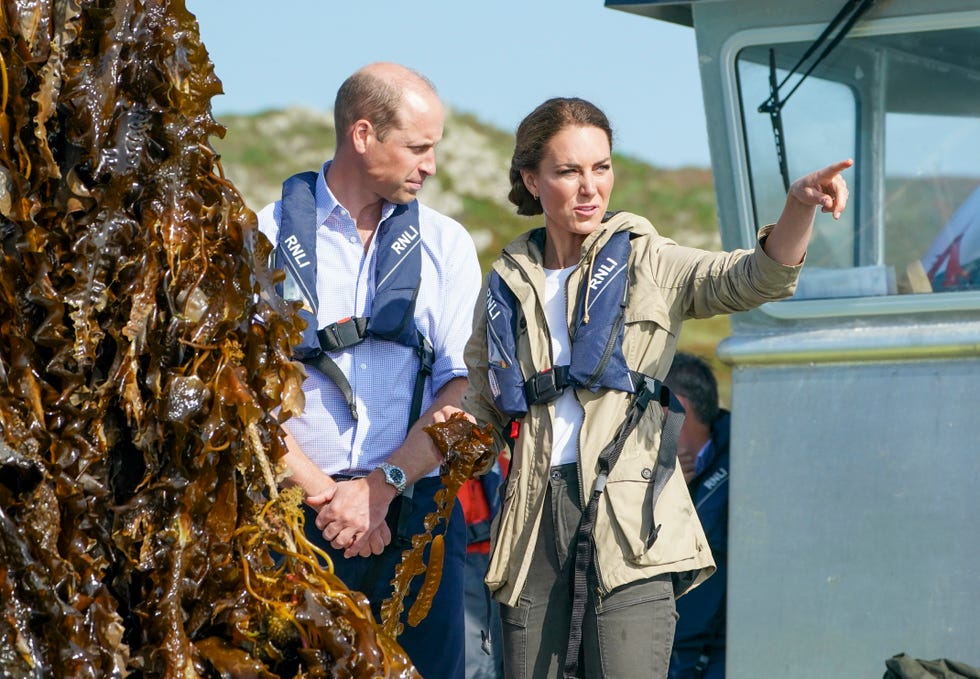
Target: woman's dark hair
534	133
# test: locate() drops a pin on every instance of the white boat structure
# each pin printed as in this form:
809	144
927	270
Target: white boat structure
856	404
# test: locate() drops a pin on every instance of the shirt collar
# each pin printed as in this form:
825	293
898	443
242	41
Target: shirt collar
326	203
703	458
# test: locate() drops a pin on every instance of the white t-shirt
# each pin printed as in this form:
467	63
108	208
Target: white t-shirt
568	412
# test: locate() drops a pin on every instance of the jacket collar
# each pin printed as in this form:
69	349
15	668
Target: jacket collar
528	248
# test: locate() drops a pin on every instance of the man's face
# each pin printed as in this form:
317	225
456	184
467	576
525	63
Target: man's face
398	165
690	440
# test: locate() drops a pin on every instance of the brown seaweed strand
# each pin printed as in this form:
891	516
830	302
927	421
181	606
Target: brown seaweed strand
465	448
430	585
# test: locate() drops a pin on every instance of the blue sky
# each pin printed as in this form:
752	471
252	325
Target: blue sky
496	59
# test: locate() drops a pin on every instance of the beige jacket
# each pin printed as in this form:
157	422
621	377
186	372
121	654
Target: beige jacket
668	283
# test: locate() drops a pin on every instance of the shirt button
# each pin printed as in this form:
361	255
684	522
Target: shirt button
353	239
647	473
363	366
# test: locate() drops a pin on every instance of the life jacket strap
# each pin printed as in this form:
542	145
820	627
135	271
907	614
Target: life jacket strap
343	334
427	357
547	385
649	390
328	367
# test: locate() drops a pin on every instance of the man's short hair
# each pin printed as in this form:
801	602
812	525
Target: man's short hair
692	378
366	96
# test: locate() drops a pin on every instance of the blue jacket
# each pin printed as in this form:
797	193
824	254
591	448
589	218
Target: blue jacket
701	625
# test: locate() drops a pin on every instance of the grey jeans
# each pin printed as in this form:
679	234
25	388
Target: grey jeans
626	634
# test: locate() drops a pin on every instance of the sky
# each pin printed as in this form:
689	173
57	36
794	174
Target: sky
497	60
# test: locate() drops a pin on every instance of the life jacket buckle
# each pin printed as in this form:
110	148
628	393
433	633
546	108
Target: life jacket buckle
427	355
343	334
547	385
651	390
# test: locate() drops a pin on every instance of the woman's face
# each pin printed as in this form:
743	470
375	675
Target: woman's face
574	179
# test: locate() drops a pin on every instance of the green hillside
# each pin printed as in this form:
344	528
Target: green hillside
471	185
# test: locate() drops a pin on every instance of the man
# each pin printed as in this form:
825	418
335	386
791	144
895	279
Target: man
702	451
392	288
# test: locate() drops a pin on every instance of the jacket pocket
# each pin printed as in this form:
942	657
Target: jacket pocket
630	502
516	615
629	495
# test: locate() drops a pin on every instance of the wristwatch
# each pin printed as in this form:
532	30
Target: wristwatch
394	477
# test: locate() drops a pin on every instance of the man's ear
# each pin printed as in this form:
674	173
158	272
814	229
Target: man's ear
361	135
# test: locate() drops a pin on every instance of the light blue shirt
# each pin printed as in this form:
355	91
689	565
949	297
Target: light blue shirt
381	373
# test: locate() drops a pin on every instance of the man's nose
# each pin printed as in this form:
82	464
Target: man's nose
428	164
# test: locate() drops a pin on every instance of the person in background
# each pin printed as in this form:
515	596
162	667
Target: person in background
577	323
385	284
702	452
480	500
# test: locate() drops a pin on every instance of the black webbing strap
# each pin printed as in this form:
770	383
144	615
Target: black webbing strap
651	390
322	362
427	357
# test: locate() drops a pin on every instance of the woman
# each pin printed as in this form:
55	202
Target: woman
620	290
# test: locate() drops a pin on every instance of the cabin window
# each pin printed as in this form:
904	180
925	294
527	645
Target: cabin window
827	112
932	200
906	106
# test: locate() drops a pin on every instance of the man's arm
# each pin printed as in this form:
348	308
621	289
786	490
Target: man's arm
351	513
302	471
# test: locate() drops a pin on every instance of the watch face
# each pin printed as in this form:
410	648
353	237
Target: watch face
394	476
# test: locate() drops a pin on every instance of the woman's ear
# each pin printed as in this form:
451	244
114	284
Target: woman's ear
530	182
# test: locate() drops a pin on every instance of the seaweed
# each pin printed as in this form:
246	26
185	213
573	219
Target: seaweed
145	370
466	448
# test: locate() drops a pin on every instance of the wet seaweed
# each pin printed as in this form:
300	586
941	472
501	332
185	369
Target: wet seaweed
145	367
466	449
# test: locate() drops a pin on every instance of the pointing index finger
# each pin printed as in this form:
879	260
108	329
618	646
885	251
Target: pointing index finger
839	167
